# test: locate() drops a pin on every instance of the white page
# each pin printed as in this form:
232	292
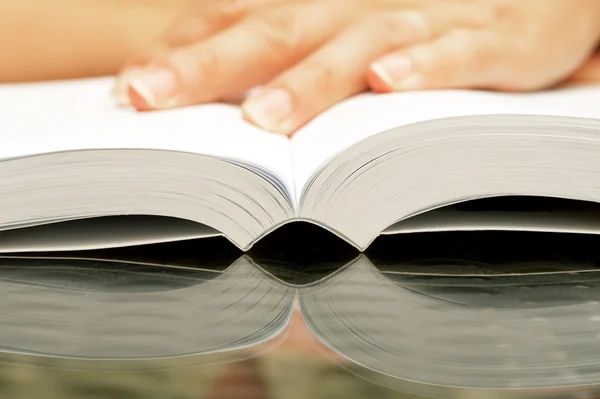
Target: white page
452	220
38	118
102	232
367	114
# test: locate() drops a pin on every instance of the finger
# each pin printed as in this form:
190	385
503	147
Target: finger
241	57
463	58
337	70
200	20
589	72
191	26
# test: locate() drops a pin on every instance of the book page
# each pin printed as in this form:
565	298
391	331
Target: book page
453	220
58	116
102	232
367	114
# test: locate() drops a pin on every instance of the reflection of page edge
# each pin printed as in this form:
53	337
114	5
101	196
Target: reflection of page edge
284	303
431	341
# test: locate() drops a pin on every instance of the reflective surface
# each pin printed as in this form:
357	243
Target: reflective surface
446	315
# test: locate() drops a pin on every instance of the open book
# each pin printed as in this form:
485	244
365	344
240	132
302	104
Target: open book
374	164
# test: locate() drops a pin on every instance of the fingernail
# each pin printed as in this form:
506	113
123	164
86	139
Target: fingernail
269	109
119	91
154	88
392	69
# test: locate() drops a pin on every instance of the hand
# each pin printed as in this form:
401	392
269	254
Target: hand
310	54
201	19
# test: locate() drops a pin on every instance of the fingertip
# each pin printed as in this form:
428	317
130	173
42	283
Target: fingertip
154	88
389	72
377	83
137	100
270	109
282	130
121	84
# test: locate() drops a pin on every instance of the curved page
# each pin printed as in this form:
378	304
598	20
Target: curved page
359	117
39	118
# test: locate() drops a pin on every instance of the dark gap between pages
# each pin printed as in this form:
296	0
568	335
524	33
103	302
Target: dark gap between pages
300	253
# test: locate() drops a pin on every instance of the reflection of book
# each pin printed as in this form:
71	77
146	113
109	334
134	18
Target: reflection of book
110	309
512	331
371	165
447	324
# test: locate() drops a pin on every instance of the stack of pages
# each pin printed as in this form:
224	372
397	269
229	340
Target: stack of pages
78	173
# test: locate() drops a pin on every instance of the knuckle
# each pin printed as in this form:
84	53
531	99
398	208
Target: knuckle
322	76
416	23
473	48
501	12
424	60
193	67
279	30
227	11
486	53
180	36
475	16
397	25
209	63
199	23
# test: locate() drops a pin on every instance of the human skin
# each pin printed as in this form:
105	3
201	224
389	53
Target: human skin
313	68
62	39
310	54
